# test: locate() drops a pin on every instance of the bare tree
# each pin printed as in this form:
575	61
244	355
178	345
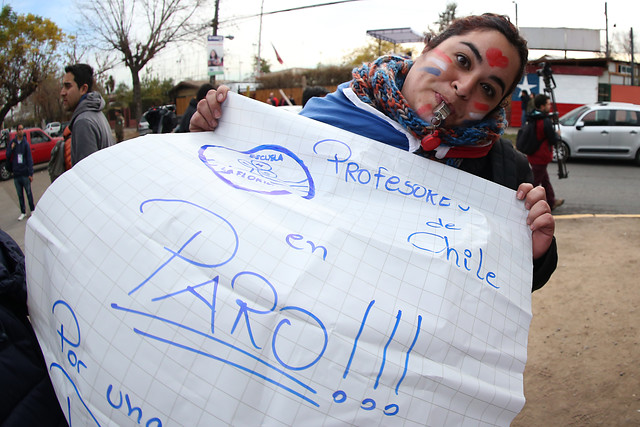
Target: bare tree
139	30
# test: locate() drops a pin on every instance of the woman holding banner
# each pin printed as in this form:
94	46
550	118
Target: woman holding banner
447	106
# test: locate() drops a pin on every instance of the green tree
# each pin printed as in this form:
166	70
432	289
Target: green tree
265	66
28	55
369	52
155	92
46	102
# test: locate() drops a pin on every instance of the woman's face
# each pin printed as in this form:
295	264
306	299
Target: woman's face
470	73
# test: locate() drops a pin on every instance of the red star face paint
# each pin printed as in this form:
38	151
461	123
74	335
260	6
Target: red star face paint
496	58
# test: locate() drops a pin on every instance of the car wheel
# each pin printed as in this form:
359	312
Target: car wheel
4	172
638	157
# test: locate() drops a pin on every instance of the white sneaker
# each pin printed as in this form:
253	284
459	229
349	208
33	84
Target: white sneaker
21	217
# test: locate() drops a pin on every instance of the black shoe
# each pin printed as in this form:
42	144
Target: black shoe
557	204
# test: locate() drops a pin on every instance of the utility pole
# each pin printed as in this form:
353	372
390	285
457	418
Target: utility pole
258	61
632	59
214	24
606	31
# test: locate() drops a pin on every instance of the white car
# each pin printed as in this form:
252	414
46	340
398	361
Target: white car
52	128
608	130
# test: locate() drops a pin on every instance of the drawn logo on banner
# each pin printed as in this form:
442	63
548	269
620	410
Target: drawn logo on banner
265	169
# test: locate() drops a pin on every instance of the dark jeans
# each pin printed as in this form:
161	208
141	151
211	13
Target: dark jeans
541	177
22	182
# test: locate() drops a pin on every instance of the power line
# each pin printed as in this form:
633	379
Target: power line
286	10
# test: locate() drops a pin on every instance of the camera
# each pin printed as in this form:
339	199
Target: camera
4	137
545	70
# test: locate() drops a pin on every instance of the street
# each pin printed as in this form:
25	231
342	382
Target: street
597	187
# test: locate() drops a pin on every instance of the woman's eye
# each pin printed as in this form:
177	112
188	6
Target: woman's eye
463	61
488	90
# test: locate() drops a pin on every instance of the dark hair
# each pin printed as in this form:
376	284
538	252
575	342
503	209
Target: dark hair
540	100
311	91
202	92
82	74
487	21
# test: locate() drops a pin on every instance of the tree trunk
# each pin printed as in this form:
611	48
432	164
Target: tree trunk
4	111
137	94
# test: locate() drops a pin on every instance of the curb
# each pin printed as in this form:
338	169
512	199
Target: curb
577	216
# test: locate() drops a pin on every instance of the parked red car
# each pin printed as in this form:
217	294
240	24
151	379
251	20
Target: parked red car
41	144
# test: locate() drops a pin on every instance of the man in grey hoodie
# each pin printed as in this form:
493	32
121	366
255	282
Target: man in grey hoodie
90	130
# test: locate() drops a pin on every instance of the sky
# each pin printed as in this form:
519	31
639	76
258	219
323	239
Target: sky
324	35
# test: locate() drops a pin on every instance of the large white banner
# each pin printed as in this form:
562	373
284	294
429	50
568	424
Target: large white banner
279	271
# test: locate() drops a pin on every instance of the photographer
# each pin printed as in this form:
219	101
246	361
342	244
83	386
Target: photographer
544	154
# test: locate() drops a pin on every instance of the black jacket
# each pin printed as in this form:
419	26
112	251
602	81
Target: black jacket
186	117
510	168
26	394
25	168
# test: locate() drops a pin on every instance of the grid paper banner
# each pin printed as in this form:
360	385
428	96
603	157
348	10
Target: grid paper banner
279	271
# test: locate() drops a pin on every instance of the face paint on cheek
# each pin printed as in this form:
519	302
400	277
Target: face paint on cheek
425	109
442	55
495	58
441	64
481	106
432	70
476	116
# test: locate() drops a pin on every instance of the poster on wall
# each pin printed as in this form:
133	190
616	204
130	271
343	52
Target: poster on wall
215	55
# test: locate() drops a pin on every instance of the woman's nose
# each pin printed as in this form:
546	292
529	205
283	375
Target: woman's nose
463	87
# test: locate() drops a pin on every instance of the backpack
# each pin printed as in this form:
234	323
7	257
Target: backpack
56	165
527	140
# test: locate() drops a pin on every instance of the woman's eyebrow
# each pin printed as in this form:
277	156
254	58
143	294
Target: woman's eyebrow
474	49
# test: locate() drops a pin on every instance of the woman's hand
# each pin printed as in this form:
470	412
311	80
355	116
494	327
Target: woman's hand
540	220
209	110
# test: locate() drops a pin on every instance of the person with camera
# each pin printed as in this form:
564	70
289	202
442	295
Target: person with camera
19	156
547	137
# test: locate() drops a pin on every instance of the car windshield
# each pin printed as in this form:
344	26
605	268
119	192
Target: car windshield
571	117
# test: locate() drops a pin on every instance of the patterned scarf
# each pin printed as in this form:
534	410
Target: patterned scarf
379	84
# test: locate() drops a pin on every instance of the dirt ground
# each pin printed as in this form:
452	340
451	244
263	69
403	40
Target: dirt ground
583	367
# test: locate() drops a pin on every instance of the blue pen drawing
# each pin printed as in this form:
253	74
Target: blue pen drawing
68	328
59	367
369	404
239	315
438	242
229	234
256	300
266	169
339	154
292	238
131	410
